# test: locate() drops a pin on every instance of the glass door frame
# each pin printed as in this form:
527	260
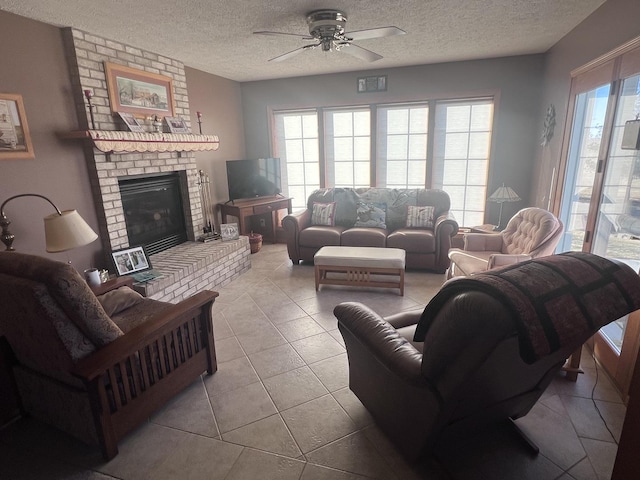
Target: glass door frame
611	69
582	83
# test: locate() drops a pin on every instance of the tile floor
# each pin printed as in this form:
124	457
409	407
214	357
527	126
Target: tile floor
279	406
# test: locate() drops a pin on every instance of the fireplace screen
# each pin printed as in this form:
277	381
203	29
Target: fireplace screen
153	211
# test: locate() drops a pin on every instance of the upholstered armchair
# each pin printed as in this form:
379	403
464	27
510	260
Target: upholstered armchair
530	233
97	367
484	349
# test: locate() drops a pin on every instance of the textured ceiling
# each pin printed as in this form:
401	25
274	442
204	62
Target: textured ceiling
216	36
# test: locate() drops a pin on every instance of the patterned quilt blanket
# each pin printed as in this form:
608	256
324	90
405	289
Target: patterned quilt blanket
553	300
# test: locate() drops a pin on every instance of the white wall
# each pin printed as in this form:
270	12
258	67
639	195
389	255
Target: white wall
516	80
613	24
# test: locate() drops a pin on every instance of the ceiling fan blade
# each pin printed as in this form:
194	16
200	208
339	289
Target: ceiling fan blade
292	53
265	32
361	53
375	33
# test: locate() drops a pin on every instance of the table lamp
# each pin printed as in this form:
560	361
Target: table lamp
501	195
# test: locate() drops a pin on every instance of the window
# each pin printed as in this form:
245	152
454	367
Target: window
401	159
348	147
461	156
388	146
297	147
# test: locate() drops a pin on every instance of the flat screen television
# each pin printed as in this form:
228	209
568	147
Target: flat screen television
253	178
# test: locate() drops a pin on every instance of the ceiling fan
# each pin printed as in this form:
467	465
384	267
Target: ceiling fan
327	28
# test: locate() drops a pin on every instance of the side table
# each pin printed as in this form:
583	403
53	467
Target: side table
112	284
485	228
458	240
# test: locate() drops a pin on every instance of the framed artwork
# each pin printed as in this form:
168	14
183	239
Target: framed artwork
15	140
131	122
229	231
176	125
372	84
138	92
130	260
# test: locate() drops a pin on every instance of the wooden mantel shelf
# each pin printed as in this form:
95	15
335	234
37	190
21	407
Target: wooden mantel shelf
112	141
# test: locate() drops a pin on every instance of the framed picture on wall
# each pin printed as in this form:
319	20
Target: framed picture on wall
138	92
15	140
372	84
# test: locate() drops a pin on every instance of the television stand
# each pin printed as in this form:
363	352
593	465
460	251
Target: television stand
246	208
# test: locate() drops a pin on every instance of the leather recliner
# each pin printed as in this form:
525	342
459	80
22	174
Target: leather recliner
472	358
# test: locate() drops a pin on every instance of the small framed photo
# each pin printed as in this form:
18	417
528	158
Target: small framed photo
176	125
130	260
131	122
229	231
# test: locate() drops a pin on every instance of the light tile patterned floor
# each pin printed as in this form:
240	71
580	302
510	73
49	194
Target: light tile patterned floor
279	406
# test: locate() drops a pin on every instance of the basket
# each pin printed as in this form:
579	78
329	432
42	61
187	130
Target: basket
255	242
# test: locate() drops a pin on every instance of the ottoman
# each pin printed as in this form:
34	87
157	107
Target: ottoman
360	266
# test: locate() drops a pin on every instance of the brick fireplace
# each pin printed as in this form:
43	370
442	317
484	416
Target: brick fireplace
153	210
86	54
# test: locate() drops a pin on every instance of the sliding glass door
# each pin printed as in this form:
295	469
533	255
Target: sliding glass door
584	153
617	230
600	203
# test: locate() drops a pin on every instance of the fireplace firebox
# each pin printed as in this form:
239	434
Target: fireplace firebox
153	211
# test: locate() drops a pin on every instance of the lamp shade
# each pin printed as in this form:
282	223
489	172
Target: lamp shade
67	230
504	194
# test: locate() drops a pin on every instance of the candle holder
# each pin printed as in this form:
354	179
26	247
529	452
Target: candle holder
199	114
88	94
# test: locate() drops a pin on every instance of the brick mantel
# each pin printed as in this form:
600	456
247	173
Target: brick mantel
109	141
87	54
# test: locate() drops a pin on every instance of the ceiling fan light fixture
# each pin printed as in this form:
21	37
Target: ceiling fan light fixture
327	27
326	23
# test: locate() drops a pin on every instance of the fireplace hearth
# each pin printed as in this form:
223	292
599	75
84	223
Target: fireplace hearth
153	211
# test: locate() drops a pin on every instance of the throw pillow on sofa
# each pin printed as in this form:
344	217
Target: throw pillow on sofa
419	217
371	215
323	214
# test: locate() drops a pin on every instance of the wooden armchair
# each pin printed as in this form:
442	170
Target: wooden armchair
97	367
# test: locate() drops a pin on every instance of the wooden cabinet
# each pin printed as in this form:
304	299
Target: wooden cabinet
244	209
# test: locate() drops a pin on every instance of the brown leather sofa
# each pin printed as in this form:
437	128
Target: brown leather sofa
472	358
426	248
97	367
